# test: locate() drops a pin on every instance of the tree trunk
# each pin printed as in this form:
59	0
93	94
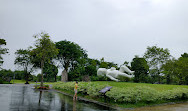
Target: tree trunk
42	65
26	79
64	76
26	76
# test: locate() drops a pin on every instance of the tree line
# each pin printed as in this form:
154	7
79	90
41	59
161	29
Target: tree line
156	66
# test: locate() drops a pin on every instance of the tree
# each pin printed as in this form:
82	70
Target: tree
141	68
176	70
182	69
126	63
19	75
184	55
108	65
155	58
2	50
44	51
69	55
103	64
23	59
6	75
169	70
50	71
84	68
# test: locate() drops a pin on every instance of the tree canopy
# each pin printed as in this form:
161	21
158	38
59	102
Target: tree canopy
44	50
2	50
141	68
50	71
69	54
155	58
23	59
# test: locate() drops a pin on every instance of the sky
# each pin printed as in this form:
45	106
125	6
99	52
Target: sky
114	29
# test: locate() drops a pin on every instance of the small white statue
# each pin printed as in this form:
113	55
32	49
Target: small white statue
113	74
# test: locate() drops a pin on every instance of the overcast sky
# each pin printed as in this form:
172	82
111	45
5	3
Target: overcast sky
114	29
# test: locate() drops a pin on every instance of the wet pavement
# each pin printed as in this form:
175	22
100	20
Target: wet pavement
25	98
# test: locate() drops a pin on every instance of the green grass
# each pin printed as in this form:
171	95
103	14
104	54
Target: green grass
159	87
30	82
17	81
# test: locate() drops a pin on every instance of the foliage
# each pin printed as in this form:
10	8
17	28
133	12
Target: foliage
184	55
169	70
39	78
45	50
85	67
6	75
155	58
23	59
182	69
108	65
125	79
2	50
70	54
132	93
50	72
176	70
19	75
88	67
139	65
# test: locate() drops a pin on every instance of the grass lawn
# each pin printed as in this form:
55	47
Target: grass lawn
159	87
18	81
30	82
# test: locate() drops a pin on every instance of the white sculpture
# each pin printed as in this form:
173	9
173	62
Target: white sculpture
113	74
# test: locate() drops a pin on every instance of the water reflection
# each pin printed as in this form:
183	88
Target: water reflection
23	97
40	97
74	106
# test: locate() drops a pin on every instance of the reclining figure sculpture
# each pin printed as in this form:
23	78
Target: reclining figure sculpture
113	74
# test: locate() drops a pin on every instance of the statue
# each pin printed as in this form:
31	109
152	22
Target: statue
113	74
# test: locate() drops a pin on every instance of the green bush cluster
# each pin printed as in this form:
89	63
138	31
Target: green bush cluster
175	94
146	94
85	88
69	86
133	94
126	95
1	80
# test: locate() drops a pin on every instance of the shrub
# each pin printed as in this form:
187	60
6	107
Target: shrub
132	94
1	80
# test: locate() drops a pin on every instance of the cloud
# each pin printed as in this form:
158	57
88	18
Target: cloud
114	29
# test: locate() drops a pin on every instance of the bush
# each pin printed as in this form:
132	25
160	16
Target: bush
133	94
123	78
1	80
175	94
